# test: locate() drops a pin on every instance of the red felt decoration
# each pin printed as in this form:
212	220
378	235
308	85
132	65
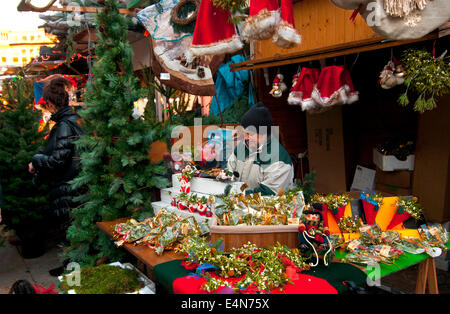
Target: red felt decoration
400	216
370	211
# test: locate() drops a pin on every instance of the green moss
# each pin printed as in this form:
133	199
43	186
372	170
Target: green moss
105	279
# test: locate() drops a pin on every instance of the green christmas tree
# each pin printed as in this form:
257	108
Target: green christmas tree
24	204
115	168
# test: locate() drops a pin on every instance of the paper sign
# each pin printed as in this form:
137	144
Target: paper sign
242	225
364	179
354	244
385	249
364	229
164	76
434	231
293	221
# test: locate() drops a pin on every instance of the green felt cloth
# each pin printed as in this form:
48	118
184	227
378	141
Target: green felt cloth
166	273
403	262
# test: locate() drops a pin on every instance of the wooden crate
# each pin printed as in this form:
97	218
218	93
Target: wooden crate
262	236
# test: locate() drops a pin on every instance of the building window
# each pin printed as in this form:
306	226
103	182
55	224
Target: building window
24	60
31	51
32	38
16	60
24	51
4	59
24	38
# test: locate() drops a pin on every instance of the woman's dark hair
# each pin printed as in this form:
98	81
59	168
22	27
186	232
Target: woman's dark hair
55	92
22	287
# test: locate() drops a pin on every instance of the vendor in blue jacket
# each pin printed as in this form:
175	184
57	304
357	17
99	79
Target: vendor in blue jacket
260	160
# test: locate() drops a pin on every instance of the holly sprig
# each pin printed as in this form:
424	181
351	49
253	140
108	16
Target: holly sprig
411	206
333	200
350	224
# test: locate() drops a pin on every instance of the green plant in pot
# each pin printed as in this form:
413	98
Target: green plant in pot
25	205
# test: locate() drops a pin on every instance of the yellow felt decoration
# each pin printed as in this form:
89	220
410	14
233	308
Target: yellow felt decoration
409	233
386	212
332	224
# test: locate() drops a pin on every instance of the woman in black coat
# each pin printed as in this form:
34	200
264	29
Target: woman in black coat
58	162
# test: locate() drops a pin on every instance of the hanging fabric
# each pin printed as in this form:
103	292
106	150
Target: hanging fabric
301	92
214	32
334	87
286	36
264	17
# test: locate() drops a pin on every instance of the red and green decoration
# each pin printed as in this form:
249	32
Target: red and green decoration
336	203
371	205
406	208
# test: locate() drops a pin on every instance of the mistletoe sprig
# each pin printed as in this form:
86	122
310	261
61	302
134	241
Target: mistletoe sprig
411	206
427	76
333	200
262	270
350	224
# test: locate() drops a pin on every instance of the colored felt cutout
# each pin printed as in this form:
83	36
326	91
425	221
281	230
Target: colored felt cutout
386	212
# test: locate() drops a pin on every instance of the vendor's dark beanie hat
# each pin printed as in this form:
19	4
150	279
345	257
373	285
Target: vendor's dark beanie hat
257	116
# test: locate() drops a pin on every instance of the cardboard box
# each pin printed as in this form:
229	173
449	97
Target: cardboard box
326	153
393	190
402	179
391	163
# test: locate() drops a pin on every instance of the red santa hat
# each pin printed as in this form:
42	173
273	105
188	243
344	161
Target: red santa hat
301	92
286	36
214	32
334	87
264	16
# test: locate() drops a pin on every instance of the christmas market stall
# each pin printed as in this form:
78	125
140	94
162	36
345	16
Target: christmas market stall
359	93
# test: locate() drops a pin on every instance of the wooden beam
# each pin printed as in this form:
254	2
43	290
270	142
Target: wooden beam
323	53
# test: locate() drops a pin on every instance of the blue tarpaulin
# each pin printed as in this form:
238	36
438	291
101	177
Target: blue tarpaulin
230	85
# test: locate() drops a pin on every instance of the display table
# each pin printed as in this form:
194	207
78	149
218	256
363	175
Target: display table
148	260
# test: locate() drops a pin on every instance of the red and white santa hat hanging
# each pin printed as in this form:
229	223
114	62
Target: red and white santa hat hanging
286	36
265	21
214	32
301	91
334	87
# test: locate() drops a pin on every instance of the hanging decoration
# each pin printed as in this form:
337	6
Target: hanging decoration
286	36
400	19
302	87
334	87
214	32
264	16
172	62
427	76
406	208
371	205
392	74
278	86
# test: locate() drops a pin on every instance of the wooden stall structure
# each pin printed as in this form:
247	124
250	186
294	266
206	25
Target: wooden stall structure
331	141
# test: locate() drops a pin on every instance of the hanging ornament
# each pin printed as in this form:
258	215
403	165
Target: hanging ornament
392	75
286	36
278	86
334	87
263	19
301	92
214	32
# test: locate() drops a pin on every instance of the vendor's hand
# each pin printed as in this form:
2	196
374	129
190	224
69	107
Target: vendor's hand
31	168
216	171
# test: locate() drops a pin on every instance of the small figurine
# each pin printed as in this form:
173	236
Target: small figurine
278	86
314	235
